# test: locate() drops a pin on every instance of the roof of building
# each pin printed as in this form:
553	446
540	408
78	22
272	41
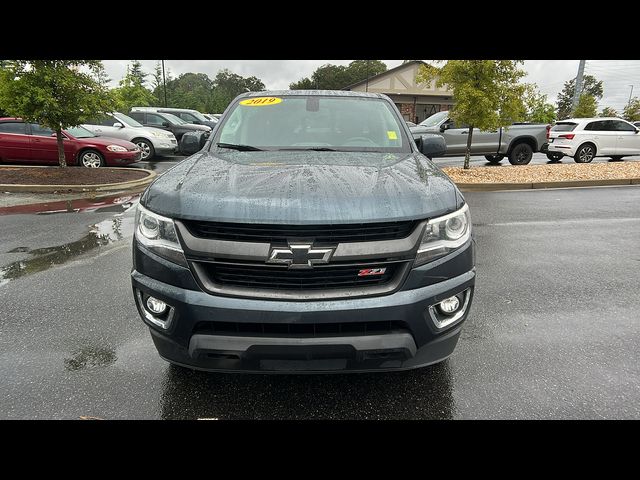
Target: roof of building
391	70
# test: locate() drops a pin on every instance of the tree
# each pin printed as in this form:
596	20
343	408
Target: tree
632	111
565	98
587	106
487	93
57	94
359	70
132	92
609	112
135	70
157	84
336	77
537	108
189	90
228	85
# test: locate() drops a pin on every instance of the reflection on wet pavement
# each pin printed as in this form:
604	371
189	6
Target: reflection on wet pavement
100	234
113	203
86	357
190	394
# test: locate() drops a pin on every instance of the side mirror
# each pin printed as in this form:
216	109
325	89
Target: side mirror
165	124
445	126
118	125
637	130
192	142
431	145
197	122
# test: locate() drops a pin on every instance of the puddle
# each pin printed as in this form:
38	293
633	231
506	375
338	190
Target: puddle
104	233
88	357
113	203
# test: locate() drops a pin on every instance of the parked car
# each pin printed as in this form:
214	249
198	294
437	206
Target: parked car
587	138
186	114
636	124
311	233
167	121
517	142
410	124
151	141
30	143
213	118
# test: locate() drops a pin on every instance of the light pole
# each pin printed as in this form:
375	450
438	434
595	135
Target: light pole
164	82
630	93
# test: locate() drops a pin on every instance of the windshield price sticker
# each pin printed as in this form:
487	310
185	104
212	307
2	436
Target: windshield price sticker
260	101
392	135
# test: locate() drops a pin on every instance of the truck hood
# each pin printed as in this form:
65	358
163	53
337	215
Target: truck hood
302	188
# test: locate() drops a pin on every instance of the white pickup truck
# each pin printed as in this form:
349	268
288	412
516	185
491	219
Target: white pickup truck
518	142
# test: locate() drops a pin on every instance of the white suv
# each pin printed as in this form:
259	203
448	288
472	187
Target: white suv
151	141
587	138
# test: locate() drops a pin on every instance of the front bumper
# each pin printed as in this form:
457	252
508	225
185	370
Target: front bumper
122	158
165	146
418	343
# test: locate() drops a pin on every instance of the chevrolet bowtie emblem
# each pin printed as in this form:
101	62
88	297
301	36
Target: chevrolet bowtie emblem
299	255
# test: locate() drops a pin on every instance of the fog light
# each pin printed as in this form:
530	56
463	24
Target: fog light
156	306
449	305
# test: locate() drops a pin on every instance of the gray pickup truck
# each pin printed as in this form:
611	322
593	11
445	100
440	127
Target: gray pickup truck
517	142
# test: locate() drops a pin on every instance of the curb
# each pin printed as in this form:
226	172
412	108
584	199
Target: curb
102	187
491	187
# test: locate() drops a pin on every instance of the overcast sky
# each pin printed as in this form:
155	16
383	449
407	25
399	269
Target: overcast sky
549	75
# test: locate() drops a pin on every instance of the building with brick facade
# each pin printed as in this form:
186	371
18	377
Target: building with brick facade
415	101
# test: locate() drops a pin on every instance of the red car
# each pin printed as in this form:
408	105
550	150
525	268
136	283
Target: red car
30	143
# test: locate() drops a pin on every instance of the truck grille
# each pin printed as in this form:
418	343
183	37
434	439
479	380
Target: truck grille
265	277
250	232
299	329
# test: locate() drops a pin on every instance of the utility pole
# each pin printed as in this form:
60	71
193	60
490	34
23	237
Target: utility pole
578	89
366	88
164	82
631	93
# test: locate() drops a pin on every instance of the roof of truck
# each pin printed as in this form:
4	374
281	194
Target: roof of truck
336	93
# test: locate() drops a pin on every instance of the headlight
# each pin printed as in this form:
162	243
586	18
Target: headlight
116	148
443	235
157	134
158	234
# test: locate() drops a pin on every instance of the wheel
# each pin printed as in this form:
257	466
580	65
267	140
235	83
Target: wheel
495	159
585	153
616	158
555	156
91	159
146	148
521	154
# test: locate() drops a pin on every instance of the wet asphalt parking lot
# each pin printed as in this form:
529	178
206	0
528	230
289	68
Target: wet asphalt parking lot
554	330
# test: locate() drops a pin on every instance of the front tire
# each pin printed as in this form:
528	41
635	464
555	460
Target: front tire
91	159
555	156
585	153
147	151
521	154
494	159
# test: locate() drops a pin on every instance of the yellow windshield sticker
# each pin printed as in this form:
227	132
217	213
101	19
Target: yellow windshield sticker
392	135
260	101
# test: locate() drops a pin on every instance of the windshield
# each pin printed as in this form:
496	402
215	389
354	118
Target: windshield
127	120
313	122
199	116
434	119
173	119
79	132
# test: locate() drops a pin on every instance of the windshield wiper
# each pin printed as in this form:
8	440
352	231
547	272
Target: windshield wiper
242	148
315	149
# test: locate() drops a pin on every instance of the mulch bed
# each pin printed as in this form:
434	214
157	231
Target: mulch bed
544	173
67	176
